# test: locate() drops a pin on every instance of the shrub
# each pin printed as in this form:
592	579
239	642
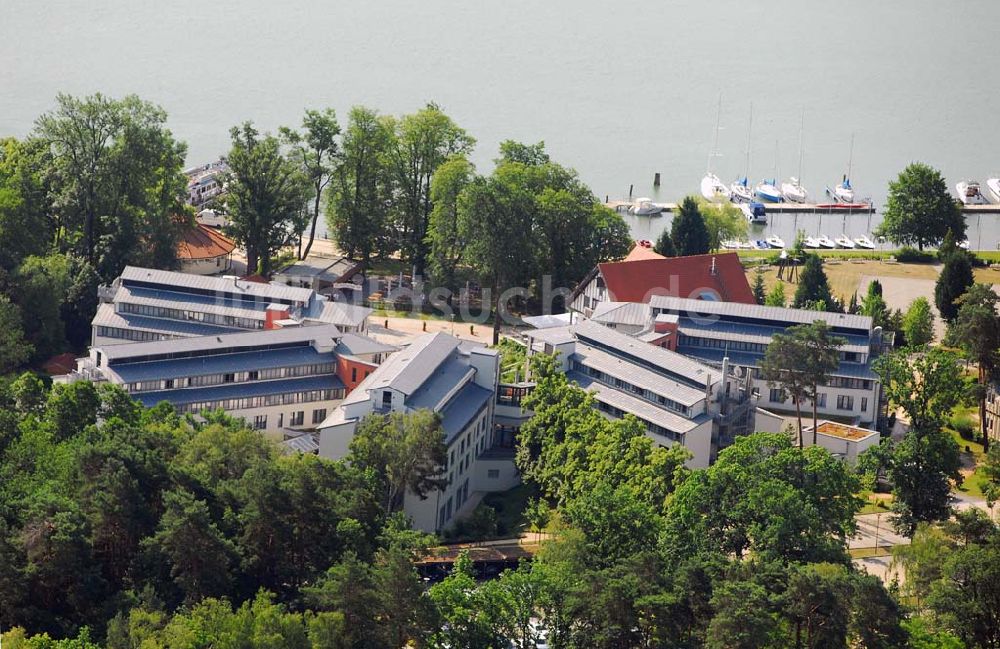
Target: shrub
908	255
963	425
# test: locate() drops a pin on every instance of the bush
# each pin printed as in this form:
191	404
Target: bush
908	255
480	525
963	425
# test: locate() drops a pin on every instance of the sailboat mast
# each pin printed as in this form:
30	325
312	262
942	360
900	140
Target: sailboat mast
715	146
850	159
802	123
746	170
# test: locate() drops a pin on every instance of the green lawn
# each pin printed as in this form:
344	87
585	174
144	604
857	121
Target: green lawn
974	456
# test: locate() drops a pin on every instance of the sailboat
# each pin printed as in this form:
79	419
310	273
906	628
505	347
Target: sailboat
740	191
712	187
793	190
844	192
767	189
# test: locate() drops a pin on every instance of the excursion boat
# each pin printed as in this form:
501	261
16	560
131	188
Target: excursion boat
766	190
825	242
969	193
811	243
775	241
843	241
993	189
755	212
864	242
645	207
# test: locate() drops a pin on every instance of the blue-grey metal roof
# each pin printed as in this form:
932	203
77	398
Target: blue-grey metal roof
177	368
356	345
445	378
462	409
215	285
780	316
407	369
165	299
106	317
755	333
326	334
637	375
240	390
748	359
639	407
626	313
341	313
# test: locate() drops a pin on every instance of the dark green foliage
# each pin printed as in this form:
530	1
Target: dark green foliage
955	279
921	470
908	255
688	230
759	292
665	244
813	291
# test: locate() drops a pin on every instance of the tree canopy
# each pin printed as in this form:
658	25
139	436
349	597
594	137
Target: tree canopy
689	231
919	209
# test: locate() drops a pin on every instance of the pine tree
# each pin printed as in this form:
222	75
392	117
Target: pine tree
874	306
665	245
777	295
814	289
688	231
759	292
955	279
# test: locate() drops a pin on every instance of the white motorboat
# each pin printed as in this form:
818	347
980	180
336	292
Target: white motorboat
964	245
645	207
714	189
755	212
969	193
864	242
740	191
844	241
767	191
993	189
793	190
811	243
825	241
775	241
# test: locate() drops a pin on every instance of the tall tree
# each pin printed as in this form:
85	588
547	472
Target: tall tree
723	221
14	349
918	323
813	291
955	279
923	465
785	367
776	297
405	451
423	141
446	233
873	305
665	244
919	208
976	329
927	387
822	352
315	149
26	225
759	291
265	196
688	230
362	187
118	180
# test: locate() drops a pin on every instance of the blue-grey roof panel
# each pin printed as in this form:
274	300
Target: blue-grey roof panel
462	409
239	390
176	368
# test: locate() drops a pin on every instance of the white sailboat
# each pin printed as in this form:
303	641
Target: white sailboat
844	192
775	241
811	243
739	190
793	190
767	189
843	241
825	241
969	193
712	187
864	242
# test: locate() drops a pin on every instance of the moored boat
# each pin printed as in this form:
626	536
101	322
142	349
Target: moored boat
775	241
969	193
714	189
740	192
766	190
811	243
864	242
755	212
843	241
793	191
825	241
645	207
760	244
993	189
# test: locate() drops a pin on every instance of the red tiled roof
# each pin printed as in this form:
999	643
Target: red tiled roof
642	252
203	242
60	364
686	277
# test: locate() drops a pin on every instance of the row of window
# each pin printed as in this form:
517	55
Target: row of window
263	401
193	316
713	343
844	401
625	386
294	371
650	426
131	334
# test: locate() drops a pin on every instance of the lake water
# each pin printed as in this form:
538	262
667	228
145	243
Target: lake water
618	90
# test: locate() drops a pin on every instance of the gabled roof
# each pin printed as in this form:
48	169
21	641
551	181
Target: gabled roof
642	252
626	313
203	242
688	277
408	369
756	313
172	281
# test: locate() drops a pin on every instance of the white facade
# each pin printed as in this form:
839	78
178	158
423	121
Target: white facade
845	442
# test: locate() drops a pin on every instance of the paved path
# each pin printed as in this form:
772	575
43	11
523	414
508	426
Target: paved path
899	292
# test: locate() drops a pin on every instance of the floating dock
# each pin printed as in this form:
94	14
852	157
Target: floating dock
808	208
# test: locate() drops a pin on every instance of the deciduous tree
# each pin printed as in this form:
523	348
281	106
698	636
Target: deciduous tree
316	150
955	279
919	208
976	329
918	323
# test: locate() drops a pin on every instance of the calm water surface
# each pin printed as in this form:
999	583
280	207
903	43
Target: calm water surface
619	90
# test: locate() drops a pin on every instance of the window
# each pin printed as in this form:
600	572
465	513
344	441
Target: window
821	399
493	474
776	396
864	404
253	375
228	378
354	374
845	402
168	384
386	399
319	415
260	422
297	418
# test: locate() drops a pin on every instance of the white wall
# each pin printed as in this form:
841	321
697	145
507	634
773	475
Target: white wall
206	266
335	440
